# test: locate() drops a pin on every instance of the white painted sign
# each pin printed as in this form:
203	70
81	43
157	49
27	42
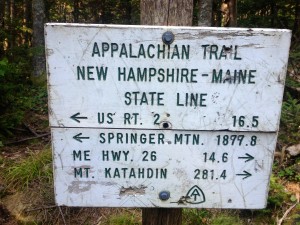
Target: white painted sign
139	123
129	168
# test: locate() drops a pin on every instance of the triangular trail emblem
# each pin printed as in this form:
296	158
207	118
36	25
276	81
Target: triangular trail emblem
195	195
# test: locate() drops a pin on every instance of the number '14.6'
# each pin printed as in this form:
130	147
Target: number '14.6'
212	157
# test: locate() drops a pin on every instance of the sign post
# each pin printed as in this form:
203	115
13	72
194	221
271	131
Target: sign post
170	117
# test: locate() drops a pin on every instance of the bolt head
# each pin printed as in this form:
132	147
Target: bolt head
168	37
164	195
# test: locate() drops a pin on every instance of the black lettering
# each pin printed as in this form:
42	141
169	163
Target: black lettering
107	172
102	138
217	78
105	48
95	50
80	73
141	75
122	73
76	155
204	51
160	51
127	98
250	81
213	51
114	48
148	51
117	173
101	72
130	52
236	53
142	51
123	51
105	155
185	52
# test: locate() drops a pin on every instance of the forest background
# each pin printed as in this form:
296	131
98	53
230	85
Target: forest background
26	188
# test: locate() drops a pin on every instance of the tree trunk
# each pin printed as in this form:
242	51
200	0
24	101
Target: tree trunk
229	13
167	12
172	13
217	13
232	5
161	216
12	38
6	24
76	11
25	36
296	29
273	13
2	22
38	42
205	13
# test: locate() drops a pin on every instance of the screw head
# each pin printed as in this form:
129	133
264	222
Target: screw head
168	37
164	195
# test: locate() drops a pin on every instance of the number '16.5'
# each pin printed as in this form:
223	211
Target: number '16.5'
239	121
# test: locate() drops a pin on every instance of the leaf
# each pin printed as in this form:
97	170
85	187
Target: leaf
3	66
293	198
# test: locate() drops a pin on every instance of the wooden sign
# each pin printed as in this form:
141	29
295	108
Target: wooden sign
145	116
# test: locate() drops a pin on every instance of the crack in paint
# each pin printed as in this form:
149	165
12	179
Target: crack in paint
80	186
132	190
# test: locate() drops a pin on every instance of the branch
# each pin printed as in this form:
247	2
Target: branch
31	130
279	222
62	215
27	139
41	208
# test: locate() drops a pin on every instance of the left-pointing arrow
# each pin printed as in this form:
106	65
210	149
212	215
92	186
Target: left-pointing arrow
245	174
79	138
77	118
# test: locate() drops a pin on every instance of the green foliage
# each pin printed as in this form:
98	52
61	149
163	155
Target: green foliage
17	93
204	216
267	13
39	100
224	219
94	11
195	216
3	67
290	121
291	83
37	166
123	219
295	52
15	88
291	173
277	194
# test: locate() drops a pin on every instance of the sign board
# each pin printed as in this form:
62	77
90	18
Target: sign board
138	122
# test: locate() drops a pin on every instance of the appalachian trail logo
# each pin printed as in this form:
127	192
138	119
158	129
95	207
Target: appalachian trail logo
195	195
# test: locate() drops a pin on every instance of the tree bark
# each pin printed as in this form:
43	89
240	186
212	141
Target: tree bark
6	24
161	216
168	13
38	42
296	28
205	13
2	23
232	5
12	27
25	36
76	11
